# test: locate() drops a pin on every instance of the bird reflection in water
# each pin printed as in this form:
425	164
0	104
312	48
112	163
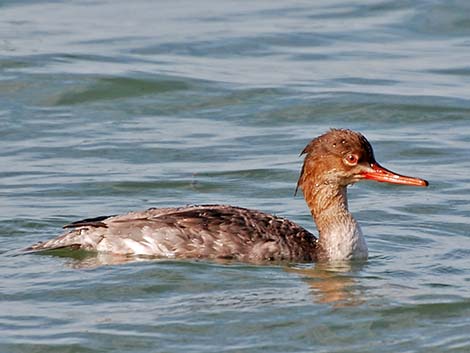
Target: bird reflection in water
330	283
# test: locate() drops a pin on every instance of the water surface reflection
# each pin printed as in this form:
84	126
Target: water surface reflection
330	283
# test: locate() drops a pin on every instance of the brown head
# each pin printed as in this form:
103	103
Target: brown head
342	157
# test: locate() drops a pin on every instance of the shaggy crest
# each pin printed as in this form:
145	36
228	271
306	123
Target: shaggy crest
334	142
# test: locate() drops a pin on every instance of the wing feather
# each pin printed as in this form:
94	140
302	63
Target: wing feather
207	231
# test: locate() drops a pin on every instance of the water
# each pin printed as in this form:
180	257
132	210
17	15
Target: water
113	106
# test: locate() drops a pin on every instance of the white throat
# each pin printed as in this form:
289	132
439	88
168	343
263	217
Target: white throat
343	239
340	236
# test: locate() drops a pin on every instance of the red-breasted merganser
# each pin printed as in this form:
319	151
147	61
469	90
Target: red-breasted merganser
333	161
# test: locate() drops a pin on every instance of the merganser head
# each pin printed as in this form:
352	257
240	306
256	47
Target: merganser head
342	157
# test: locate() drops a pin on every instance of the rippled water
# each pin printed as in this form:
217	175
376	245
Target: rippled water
112	106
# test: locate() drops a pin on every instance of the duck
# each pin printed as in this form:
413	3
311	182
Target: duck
332	162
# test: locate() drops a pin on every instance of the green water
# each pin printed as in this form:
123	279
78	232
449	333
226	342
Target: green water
112	106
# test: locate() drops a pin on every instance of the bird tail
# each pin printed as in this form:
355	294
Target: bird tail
72	239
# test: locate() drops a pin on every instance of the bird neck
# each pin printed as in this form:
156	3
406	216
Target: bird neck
340	236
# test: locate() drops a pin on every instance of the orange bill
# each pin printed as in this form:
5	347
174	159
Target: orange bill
379	173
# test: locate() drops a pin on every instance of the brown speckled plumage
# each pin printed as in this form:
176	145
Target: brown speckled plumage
200	231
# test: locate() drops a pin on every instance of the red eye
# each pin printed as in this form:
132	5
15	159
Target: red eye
351	159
